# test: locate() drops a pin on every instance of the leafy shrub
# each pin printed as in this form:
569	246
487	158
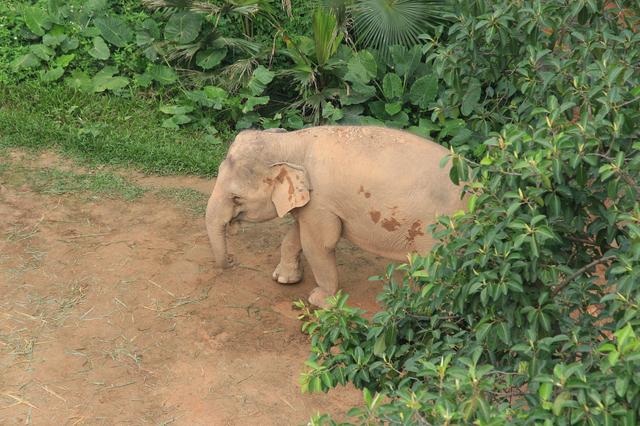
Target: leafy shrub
528	310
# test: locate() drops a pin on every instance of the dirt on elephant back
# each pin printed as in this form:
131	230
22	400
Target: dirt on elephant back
111	312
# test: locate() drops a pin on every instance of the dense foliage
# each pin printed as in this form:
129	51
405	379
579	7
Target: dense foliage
231	64
528	311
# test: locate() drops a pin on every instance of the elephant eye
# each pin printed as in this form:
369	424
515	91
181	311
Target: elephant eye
236	200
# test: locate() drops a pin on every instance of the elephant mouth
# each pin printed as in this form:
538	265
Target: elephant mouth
237	218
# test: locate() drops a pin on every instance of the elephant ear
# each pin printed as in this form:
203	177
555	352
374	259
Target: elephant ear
290	187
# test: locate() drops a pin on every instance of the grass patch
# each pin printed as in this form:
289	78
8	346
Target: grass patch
103	129
52	181
193	201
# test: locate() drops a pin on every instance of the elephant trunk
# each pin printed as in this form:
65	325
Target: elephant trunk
219	214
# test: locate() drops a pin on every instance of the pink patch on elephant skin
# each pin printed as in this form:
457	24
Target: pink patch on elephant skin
375	216
367	194
284	175
390	224
414	231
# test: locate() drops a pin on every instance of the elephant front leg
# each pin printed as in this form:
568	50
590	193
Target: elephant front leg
289	270
319	234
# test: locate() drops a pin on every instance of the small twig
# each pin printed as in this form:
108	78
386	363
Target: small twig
78	421
73	237
86	313
20	400
630	101
287	402
162	288
246	378
53	393
240	265
122	385
579	272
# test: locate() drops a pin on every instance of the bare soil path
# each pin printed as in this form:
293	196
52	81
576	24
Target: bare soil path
112	313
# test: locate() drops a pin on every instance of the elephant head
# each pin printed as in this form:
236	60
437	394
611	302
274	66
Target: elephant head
262	177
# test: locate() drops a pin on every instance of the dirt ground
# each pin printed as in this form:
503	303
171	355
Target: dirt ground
111	313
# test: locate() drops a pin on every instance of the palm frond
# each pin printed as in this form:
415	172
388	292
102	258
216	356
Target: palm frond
326	35
235	75
247	46
182	52
383	23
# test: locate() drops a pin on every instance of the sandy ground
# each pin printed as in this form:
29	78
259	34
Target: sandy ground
111	313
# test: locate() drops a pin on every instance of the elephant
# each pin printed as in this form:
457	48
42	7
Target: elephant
377	187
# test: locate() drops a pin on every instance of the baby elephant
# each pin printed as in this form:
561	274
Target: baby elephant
377	187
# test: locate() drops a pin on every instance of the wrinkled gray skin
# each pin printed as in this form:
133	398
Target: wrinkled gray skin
377	187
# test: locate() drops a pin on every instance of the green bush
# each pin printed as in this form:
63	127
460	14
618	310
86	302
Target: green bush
528	310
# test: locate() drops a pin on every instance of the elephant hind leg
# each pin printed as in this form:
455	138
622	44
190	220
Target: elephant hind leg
289	270
319	234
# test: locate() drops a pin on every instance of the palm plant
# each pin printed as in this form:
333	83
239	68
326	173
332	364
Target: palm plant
314	59
379	24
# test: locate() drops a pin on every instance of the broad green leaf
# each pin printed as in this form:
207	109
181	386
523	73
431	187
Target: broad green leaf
162	74
294	121
404	61
361	68
471	204
504	333
100	50
150	32
176	109
560	402
393	108
41	51
143	38
359	93
471	98
114	30
69	44
175	121
217	95
545	391
143	80
392	86
425	128
183	27
259	80
423	91
208	59
64	60
247	120
79	80
37	20
25	61
331	113
253	101
105	80
53	40
96	5
623	334
52	74
622	384
380	345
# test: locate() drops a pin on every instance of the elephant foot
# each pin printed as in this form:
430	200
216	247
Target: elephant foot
288	273
318	297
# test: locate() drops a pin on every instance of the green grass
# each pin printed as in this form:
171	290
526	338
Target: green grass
92	184
102	129
189	199
53	181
